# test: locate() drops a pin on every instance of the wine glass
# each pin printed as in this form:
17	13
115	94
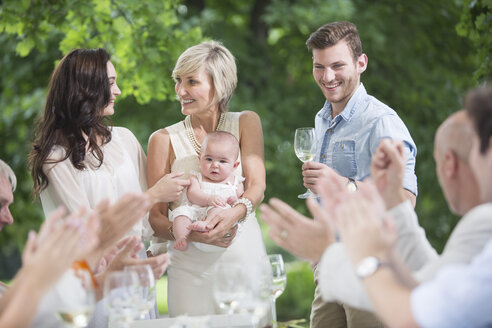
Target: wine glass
279	281
256	299
305	148
145	288
77	305
121	297
229	286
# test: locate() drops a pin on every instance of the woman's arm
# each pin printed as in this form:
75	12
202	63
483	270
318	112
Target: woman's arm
252	157
160	154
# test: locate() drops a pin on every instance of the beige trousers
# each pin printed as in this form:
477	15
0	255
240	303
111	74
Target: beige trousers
337	315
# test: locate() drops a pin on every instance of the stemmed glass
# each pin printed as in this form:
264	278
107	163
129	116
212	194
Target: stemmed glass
145	288
279	281
256	300
305	148
229	286
121	297
77	306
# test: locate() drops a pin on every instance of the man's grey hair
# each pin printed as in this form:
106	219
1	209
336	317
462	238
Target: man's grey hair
8	173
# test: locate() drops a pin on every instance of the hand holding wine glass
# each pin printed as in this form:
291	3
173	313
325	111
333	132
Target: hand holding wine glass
305	148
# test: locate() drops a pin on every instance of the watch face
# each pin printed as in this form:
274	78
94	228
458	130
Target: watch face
351	186
367	267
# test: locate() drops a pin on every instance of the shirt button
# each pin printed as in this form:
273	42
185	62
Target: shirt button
342	146
329	131
323	156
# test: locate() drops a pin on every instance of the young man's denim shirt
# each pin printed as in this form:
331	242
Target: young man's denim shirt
347	142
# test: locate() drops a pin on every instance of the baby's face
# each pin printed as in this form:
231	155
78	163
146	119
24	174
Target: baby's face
217	160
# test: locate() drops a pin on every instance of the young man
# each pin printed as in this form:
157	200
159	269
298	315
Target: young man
349	128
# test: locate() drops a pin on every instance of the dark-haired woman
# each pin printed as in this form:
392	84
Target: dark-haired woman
77	159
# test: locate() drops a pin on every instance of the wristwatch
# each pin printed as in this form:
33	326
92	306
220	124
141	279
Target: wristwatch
351	184
368	266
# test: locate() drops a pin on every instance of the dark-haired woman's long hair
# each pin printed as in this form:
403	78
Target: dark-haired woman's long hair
79	91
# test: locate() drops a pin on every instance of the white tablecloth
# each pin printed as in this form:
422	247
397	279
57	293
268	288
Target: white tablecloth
216	321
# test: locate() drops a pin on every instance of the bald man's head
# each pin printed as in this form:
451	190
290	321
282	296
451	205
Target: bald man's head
452	145
455	134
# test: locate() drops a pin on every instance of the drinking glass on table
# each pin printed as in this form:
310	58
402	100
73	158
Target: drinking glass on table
145	288
279	281
121	298
78	303
305	148
229	286
256	300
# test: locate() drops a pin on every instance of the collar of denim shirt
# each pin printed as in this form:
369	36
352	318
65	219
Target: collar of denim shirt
349	110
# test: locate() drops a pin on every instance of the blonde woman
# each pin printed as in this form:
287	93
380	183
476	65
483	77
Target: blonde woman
205	76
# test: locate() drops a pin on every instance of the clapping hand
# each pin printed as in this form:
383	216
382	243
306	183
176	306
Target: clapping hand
298	234
120	217
364	226
125	253
387	170
61	241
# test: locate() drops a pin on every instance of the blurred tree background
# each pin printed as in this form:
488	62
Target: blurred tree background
423	56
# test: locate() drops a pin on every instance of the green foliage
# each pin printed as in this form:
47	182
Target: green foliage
141	36
476	24
144	41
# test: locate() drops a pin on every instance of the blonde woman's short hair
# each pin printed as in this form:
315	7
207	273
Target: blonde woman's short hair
7	172
218	62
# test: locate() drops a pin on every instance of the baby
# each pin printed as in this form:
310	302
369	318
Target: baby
215	188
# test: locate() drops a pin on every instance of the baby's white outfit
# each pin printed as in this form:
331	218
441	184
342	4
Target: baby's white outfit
197	212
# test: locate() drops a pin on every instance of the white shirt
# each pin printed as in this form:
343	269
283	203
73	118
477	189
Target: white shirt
459	296
123	170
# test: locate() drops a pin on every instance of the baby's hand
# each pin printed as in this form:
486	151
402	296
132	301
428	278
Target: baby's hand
217	201
232	200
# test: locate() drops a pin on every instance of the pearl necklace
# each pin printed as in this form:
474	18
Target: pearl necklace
191	135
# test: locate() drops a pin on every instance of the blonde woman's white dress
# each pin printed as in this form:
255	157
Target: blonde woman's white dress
191	273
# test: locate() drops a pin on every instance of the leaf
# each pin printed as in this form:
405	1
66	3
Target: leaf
25	46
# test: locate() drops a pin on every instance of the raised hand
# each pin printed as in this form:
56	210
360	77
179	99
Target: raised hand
363	229
119	218
68	240
387	170
296	233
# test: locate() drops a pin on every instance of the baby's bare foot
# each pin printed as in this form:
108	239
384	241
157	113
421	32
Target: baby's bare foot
181	244
199	226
